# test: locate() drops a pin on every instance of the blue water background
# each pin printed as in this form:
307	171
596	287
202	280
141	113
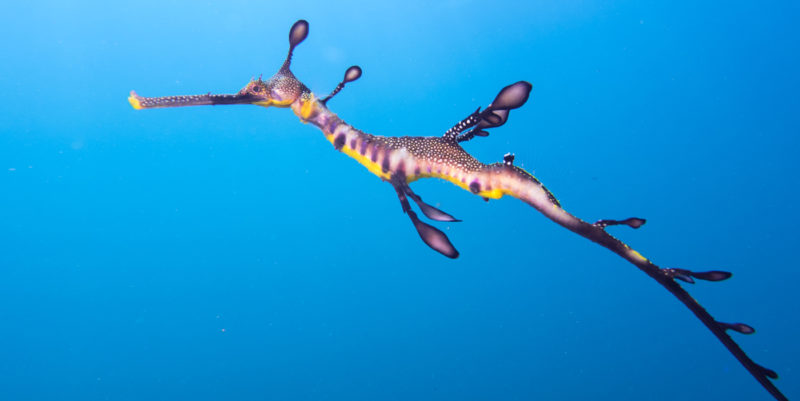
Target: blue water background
229	253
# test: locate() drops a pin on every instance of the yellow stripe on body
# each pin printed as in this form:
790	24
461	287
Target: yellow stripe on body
376	169
308	107
637	255
373	167
495	193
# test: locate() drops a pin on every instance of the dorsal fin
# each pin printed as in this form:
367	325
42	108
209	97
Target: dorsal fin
511	97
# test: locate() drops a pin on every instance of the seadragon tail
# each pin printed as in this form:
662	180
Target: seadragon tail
501	179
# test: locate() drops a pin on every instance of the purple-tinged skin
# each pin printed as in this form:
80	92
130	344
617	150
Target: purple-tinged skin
402	160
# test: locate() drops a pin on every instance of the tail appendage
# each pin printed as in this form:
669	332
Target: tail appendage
403	160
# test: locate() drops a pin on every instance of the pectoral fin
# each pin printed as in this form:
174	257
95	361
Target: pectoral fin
433	237
428	210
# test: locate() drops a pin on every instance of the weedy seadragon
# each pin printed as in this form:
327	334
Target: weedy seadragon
403	160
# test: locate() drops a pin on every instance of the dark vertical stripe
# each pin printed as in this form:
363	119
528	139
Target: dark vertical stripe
385	163
475	187
374	150
332	124
338	143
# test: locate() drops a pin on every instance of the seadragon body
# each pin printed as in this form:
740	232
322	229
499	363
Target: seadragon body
403	160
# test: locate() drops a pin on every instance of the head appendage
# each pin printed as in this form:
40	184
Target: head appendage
297	34
353	73
280	91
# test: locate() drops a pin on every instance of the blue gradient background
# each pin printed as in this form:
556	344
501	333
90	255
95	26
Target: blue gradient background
229	253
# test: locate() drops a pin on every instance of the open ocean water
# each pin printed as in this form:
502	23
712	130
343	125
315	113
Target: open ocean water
230	253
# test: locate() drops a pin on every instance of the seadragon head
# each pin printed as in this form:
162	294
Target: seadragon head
282	90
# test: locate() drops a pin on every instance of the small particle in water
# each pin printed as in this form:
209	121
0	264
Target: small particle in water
12	169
